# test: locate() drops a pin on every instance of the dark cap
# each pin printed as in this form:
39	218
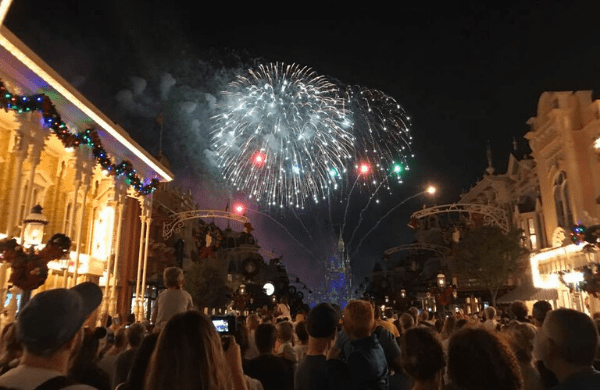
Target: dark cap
53	317
322	321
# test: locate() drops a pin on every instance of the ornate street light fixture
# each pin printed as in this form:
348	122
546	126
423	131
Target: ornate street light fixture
441	280
33	227
403	293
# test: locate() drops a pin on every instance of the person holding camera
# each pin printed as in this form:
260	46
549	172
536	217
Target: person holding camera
173	300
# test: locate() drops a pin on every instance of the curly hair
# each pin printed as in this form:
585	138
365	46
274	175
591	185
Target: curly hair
421	355
478	359
521	338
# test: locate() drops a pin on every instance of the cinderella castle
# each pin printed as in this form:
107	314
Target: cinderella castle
338	278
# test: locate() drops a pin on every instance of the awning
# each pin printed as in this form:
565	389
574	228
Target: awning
528	292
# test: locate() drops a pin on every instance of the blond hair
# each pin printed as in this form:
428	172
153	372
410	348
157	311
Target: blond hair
173	277
359	318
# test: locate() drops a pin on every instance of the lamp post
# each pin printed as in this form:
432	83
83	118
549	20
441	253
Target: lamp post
33	227
441	280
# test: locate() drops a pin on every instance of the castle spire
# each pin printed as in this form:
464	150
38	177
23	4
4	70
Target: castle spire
490	168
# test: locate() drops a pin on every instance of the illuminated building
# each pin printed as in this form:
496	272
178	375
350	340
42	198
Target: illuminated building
564	137
96	191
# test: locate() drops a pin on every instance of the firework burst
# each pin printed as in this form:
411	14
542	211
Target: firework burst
286	134
381	128
282	132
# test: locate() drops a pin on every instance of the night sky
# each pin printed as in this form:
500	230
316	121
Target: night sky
467	74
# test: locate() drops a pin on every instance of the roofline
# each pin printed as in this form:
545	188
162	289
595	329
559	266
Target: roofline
18	49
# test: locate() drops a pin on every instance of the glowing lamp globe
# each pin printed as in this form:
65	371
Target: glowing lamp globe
269	288
34	226
441	280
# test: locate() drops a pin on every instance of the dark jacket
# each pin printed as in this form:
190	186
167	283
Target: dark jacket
365	368
273	372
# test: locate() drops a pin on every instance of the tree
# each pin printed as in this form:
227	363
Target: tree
207	286
491	256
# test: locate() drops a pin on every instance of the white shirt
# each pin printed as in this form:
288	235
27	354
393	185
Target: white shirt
28	378
169	303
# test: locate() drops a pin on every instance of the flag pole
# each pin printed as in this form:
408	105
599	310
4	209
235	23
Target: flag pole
4	6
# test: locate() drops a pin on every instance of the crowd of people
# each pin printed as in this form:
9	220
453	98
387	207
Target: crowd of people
54	344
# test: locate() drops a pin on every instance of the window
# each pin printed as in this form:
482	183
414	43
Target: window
532	234
564	213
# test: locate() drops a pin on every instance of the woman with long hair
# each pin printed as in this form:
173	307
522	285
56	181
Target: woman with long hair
479	359
190	355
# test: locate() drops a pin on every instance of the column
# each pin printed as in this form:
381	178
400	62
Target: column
140	258
112	268
86	188
35	152
143	284
19	149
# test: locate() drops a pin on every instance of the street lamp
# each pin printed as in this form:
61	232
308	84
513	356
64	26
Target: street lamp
441	280
403	293
33	227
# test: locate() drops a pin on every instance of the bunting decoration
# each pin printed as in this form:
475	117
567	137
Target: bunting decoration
89	137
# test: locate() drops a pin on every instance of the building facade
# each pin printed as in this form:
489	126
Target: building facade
564	139
92	180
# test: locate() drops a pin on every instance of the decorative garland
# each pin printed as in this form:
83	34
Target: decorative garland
69	139
30	267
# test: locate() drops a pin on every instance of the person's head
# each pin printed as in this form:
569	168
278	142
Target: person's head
135	334
359	319
539	311
88	349
188	355
478	359
459	324
421	355
407	321
52	320
521	338
265	338
173	277
519	309
137	373
448	327
241	337
10	347
377	312
424	316
568	337
252	322
120	338
389	314
413	311
322	321
300	315
301	332
285	332
490	313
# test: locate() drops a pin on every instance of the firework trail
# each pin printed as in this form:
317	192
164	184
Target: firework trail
288	233
360	216
347	204
382	218
302	223
282	135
